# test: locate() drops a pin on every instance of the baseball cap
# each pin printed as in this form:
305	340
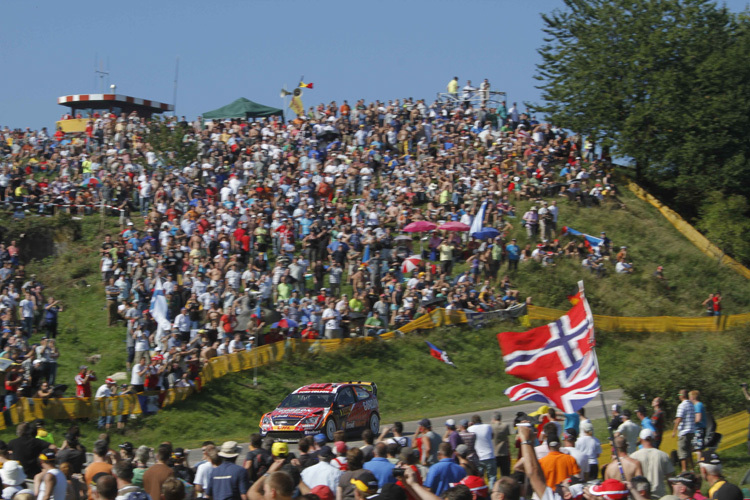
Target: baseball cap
341	447
611	489
464	422
325	452
365	481
646	434
462	449
127	446
711	459
320	438
47	455
587	427
425	422
450	423
178	453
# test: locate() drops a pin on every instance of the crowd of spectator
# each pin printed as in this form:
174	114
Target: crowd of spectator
556	458
29	323
270	230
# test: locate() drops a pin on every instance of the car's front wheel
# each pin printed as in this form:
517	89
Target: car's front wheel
330	429
374	424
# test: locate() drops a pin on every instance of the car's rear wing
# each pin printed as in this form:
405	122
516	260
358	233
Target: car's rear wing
361	382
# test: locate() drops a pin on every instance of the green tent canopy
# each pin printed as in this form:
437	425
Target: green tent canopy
243	108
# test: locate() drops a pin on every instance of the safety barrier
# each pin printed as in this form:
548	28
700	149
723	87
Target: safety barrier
29	409
733	429
651	323
693	235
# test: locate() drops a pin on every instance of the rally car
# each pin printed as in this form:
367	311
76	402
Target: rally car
326	408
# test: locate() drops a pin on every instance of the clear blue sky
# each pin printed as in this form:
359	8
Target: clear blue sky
349	49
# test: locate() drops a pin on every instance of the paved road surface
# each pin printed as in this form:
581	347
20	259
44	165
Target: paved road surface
593	411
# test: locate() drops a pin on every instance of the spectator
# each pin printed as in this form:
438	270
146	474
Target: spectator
591	447
444	472
323	473
621	464
684	426
655	463
228	480
484	448
380	466
500	439
719	487
26	449
629	430
154	476
98	466
557	466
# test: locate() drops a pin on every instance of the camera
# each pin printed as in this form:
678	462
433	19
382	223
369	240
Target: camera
398	472
525	420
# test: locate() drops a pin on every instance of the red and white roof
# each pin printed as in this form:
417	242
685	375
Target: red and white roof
67	99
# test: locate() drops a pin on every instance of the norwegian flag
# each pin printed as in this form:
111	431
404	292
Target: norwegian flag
557	359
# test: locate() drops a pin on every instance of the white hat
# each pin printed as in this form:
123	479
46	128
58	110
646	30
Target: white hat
646	434
12	474
229	450
450	422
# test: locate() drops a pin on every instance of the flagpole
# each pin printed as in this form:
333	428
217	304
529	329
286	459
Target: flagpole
604	407
601	389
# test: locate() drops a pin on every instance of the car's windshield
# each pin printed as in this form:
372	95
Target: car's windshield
307	400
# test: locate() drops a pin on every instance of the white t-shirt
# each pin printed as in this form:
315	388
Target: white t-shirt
136	378
203	474
103	392
483	445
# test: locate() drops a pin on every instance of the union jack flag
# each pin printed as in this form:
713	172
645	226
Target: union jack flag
568	390
557	360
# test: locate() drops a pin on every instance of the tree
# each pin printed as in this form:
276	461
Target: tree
168	142
664	82
724	220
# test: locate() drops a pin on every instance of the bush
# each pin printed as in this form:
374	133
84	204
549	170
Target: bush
714	363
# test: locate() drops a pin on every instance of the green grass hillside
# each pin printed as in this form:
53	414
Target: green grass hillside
411	384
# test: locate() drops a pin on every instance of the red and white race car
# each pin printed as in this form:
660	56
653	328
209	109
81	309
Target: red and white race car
326	408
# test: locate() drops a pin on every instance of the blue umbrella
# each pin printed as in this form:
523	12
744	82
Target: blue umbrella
486	233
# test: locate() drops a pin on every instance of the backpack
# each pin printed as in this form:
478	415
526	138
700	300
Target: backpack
261	461
133	493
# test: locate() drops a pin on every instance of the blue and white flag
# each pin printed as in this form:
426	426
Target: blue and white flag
476	224
159	308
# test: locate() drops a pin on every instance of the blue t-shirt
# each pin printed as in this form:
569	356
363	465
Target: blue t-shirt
700	409
442	474
514	253
647	424
382	469
572	421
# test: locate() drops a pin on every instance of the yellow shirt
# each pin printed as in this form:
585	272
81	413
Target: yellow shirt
453	87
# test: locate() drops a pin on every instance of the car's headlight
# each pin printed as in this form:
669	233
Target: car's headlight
310	421
266	420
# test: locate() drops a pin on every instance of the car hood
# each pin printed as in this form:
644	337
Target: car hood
296	412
